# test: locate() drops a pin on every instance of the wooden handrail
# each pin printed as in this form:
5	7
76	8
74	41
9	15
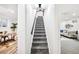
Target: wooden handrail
33	24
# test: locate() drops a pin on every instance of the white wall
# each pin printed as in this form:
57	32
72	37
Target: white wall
21	29
30	14
52	30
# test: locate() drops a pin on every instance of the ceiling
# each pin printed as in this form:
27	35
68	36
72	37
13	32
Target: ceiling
8	11
66	12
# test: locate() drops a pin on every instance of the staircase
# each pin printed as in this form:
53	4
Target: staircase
39	45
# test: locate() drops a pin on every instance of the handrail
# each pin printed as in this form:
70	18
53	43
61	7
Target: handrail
33	24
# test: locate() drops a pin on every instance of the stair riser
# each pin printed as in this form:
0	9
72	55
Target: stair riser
41	23
39	35
39	41
39	26
39	44
39	51
39	47
40	31
39	38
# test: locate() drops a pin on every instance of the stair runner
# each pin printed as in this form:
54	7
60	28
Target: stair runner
39	44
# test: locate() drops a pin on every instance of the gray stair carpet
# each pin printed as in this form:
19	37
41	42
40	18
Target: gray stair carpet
39	44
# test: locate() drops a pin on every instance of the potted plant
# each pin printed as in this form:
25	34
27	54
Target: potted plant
14	26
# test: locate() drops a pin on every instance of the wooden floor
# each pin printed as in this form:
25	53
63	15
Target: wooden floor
8	48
